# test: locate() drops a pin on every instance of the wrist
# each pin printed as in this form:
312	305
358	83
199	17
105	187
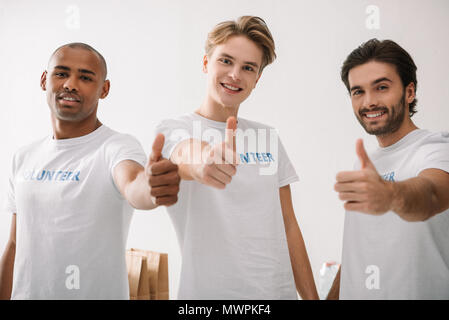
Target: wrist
397	201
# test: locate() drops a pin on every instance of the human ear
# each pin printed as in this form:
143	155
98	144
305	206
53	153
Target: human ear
410	92
205	62
43	82
105	89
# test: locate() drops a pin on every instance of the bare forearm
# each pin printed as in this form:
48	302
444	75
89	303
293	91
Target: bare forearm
414	199
188	156
6	271
334	292
137	193
302	270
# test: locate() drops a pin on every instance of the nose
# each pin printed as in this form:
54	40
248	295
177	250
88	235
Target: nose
71	84
370	100
235	73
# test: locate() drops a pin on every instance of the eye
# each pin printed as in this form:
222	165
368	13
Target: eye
382	87
357	92
60	74
248	68
85	78
225	61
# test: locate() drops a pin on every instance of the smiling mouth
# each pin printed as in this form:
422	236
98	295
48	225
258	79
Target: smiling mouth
374	115
232	88
69	99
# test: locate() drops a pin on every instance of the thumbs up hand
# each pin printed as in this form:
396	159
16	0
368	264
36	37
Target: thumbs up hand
365	162
162	175
364	190
219	162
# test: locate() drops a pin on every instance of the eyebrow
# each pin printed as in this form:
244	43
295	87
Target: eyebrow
246	62
79	70
372	83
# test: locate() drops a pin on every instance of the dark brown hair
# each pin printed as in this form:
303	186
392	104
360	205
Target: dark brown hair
386	51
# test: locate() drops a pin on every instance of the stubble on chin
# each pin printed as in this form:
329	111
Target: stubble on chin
396	116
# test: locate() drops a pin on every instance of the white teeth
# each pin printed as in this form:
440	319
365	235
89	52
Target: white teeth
374	115
230	87
68	99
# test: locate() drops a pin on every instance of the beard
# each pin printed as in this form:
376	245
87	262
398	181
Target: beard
396	116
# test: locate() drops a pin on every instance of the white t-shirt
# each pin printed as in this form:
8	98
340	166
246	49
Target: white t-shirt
385	257
72	222
233	241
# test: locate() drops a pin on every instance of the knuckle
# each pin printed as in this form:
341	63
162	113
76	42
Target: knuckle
365	174
207	169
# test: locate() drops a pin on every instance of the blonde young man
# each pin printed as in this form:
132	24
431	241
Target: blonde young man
236	226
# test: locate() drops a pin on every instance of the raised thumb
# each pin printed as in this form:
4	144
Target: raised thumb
365	161
156	149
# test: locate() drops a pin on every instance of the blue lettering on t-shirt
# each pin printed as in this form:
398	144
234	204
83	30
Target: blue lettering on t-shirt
49	175
256	157
52	175
388	176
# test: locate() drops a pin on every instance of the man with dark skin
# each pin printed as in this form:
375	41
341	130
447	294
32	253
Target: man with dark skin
72	194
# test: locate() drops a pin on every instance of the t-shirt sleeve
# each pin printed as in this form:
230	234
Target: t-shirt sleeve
174	131
435	153
286	171
124	147
9	203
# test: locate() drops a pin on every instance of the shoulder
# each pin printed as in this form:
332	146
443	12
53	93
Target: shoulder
30	148
184	120
115	138
246	124
432	151
433	141
438	137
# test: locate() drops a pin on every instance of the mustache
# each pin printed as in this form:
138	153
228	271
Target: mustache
364	110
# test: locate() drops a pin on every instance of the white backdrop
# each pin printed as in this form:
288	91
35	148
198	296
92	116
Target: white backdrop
154	51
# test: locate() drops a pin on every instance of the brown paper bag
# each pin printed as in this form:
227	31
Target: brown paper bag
147	274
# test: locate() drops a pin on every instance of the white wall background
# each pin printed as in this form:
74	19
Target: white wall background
154	51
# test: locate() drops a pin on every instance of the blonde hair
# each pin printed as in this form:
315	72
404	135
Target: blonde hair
254	28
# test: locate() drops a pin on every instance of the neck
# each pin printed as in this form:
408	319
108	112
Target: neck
72	129
212	110
391	138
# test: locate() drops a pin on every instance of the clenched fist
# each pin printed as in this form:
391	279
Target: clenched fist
162	175
364	190
219	162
